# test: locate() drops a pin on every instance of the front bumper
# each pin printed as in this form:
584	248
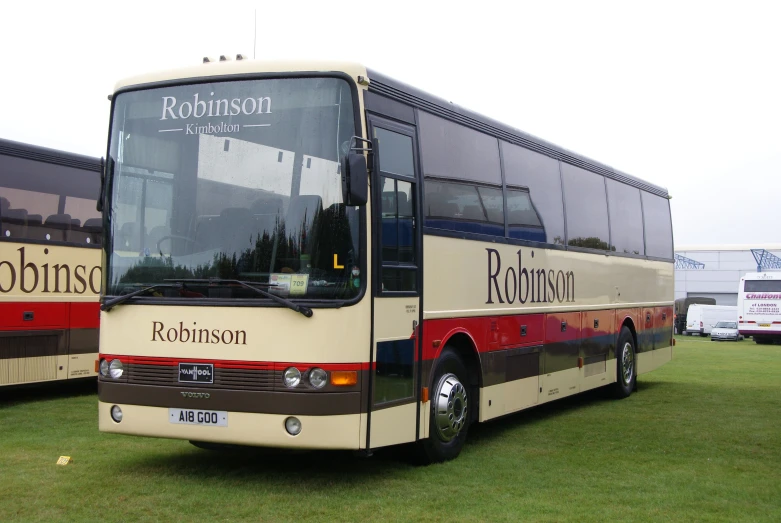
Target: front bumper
244	428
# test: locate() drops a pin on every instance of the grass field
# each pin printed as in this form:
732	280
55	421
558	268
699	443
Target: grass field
700	441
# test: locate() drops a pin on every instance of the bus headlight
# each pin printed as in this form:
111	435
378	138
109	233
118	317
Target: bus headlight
292	377
116	369
104	368
318	378
116	413
293	426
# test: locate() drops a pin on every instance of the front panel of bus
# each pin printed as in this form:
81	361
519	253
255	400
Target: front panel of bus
225	201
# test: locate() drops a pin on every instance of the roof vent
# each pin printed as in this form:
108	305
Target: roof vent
240	57
224	58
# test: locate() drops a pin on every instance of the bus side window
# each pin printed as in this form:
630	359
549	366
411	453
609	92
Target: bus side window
398	236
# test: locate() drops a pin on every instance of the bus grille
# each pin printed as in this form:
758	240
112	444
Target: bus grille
167	375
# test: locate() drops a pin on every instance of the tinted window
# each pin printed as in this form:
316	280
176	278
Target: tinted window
522	218
658	229
395	152
450	150
540	175
626	218
584	197
398	239
394	373
464	207
762	286
47	202
493	203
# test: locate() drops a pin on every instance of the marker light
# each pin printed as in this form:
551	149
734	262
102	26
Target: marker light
293	426
104	368
292	377
116	413
344	378
115	369
318	378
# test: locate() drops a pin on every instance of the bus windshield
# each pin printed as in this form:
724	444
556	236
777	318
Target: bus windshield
233	180
762	286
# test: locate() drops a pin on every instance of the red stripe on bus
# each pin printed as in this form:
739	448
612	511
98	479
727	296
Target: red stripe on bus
33	316
85	315
494	333
45	315
235	364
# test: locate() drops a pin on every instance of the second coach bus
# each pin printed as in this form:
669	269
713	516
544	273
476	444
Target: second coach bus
315	255
759	307
50	273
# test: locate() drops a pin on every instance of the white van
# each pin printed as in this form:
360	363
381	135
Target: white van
701	319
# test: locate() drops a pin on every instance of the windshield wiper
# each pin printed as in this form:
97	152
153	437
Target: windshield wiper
109	304
306	311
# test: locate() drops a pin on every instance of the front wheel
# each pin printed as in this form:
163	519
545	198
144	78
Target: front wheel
450	410
626	365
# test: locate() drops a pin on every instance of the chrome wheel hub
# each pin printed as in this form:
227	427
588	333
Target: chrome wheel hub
627	363
450	407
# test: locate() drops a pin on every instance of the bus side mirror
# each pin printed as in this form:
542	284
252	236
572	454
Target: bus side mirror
99	204
355	179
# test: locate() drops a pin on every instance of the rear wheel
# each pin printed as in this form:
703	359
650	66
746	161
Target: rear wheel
626	365
450	412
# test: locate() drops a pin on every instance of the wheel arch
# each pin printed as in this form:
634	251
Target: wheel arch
629	324
466	349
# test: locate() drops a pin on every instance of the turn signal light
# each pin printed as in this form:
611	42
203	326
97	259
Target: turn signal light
344	378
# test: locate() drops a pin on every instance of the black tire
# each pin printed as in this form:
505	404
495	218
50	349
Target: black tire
437	447
626	365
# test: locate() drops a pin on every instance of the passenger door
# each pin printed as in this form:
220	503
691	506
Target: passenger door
396	285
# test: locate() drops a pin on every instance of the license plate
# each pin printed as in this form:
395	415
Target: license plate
214	418
764	325
196	373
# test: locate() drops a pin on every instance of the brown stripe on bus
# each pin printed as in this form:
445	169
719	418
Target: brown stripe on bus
83	341
266	402
31	344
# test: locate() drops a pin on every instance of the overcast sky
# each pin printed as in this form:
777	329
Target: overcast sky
686	95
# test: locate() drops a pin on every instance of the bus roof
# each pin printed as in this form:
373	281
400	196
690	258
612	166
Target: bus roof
404	93
240	67
396	90
46	155
769	275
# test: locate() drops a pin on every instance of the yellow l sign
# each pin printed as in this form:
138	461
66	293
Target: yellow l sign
336	262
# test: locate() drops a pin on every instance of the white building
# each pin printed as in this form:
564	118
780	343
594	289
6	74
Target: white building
719	278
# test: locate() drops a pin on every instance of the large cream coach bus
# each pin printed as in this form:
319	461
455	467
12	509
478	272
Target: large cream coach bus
262	289
50	269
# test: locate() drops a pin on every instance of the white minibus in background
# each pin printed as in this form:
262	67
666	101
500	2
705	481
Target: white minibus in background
700	319
759	314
